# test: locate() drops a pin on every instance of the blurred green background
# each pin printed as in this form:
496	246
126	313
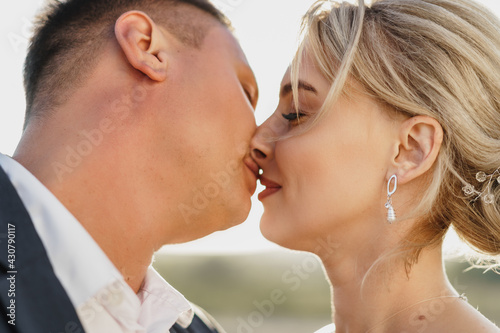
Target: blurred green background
285	291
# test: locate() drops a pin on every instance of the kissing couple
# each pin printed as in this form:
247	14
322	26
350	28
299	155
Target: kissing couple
387	133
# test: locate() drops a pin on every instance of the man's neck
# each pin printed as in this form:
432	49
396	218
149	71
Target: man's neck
109	210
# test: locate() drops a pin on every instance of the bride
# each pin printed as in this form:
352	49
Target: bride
387	133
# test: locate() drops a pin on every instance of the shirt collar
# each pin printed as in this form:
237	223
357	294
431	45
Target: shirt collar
159	299
78	262
76	258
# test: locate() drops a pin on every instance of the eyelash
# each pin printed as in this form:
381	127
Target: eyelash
293	117
248	96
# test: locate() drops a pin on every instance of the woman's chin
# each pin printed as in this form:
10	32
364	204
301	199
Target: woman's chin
280	232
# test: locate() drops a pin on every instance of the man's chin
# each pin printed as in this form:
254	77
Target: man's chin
221	226
238	214
232	210
236	220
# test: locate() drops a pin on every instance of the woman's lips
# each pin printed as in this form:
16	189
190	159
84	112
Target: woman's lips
271	187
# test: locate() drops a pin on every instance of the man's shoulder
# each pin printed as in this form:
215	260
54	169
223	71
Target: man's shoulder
202	322
27	279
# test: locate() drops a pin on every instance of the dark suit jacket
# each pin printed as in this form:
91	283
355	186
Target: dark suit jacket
31	296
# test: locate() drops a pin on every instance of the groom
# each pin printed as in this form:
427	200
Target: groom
139	116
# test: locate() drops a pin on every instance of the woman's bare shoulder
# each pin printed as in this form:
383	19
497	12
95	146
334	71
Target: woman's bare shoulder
465	318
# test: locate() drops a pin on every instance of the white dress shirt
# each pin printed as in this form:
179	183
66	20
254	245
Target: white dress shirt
103	300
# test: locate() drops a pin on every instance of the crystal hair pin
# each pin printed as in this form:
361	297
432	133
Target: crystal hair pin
487	197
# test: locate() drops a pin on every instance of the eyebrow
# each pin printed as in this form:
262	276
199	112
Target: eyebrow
287	88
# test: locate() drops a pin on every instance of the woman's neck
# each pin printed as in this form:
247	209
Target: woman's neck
379	296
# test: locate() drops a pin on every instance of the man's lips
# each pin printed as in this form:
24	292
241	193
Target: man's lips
253	167
271	187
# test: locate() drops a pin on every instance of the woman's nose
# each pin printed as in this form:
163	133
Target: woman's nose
262	144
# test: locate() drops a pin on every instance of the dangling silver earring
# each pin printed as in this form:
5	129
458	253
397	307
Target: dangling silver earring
391	214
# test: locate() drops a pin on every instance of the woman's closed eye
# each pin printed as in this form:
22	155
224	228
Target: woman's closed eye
294	117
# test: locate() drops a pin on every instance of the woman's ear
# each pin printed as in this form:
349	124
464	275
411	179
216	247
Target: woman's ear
143	43
420	140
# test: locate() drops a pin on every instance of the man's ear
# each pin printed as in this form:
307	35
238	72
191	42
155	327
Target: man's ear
420	140
143	43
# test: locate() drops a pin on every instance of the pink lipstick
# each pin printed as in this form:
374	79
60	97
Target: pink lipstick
271	187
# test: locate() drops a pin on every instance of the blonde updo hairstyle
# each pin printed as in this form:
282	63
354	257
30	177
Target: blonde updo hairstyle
439	58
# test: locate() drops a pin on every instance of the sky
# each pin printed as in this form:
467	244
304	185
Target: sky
267	31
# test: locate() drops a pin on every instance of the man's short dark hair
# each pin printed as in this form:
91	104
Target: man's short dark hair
69	36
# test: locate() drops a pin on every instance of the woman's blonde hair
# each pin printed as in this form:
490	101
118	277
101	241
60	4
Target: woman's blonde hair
439	58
